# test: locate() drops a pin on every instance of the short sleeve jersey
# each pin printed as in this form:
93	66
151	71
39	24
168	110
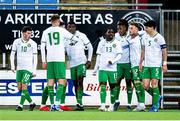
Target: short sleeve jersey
54	38
108	51
25	51
153	51
125	48
135	50
75	50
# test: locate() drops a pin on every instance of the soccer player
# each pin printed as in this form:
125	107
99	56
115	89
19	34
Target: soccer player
109	51
78	61
154	55
53	39
26	50
135	55
43	106
123	65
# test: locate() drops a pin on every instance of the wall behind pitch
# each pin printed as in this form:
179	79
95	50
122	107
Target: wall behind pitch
9	94
88	22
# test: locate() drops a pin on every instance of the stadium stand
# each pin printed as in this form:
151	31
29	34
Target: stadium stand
6	2
25	7
48	2
94	2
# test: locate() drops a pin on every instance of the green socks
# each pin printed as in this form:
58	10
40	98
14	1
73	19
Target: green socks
63	95
79	96
155	96
117	93
51	94
150	91
129	94
103	94
25	96
50	91
113	93
59	92
44	96
140	92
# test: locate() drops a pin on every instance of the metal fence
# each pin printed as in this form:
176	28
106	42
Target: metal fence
171	29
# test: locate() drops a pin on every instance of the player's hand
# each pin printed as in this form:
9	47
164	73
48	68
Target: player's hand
110	62
44	64
88	64
33	75
164	68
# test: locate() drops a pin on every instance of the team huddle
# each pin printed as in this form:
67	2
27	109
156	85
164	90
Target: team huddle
138	57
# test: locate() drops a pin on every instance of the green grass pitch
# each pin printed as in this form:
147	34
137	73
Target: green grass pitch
88	114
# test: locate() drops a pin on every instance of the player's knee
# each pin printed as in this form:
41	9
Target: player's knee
24	87
154	85
128	82
65	83
62	81
80	81
19	86
118	81
50	82
81	84
146	86
102	83
154	82
137	83
112	86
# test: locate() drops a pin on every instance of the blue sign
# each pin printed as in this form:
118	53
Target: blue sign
8	87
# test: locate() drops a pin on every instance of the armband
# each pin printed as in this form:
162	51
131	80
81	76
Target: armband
163	46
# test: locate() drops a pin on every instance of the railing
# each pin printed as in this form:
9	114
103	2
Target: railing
80	5
171	28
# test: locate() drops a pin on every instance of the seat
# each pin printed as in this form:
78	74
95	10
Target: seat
25	7
5	7
48	7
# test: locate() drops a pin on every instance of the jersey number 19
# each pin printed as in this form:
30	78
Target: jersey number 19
54	38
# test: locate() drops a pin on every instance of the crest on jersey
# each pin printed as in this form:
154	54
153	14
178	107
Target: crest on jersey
139	17
29	45
155	40
114	45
